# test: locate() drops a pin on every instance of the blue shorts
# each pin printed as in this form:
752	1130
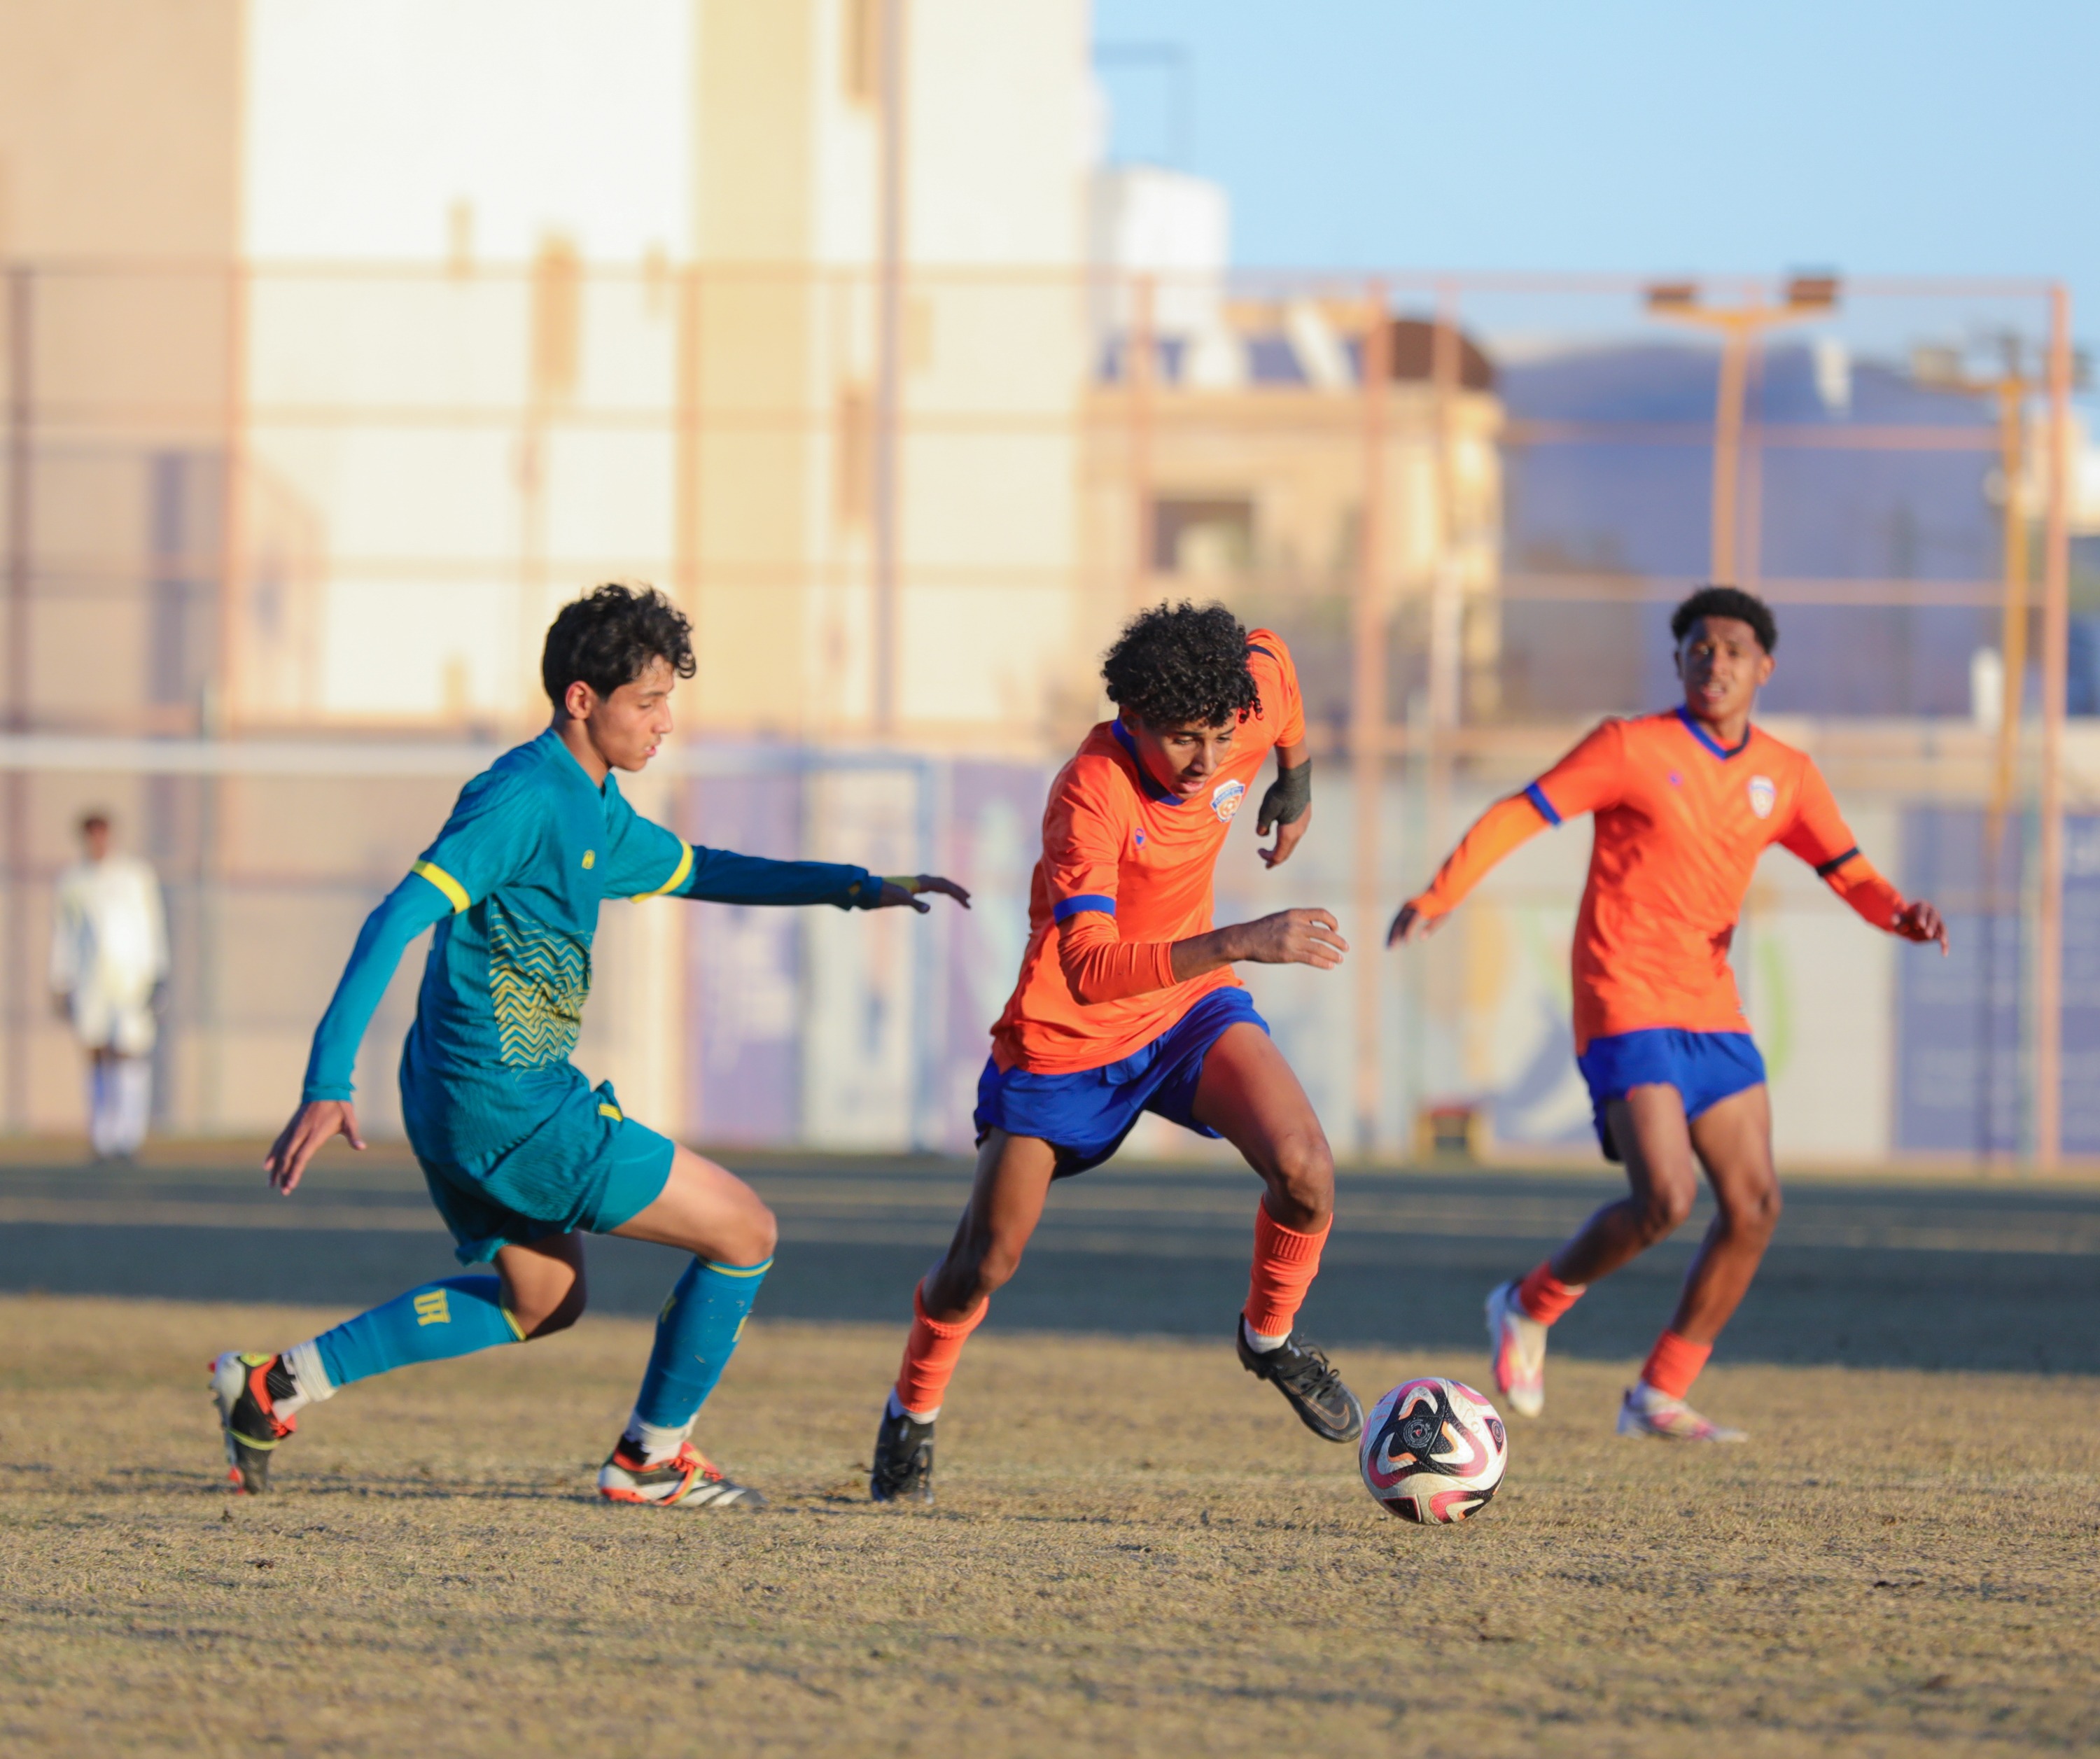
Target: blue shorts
1085	1115
1704	1067
582	1167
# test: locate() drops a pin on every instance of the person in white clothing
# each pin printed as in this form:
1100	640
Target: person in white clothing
109	962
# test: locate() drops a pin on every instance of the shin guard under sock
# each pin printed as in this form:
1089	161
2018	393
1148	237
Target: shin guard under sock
696	1334
930	1355
1673	1364
1285	1263
456	1317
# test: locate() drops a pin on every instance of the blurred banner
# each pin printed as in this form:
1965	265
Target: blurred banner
281	543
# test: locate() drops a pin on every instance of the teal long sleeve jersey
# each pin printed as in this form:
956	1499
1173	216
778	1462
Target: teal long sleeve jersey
513	884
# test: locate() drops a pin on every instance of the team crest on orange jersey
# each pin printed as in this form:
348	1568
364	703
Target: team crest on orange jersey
1226	800
1764	795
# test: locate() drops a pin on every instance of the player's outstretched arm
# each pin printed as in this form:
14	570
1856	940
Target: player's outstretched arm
1289	937
324	1108
1412	924
1502	827
301	1139
723	877
905	888
1919	921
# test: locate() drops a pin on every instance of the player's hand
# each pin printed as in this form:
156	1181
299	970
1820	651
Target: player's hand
904	889
1292	938
1287	839
1410	924
300	1140
1921	922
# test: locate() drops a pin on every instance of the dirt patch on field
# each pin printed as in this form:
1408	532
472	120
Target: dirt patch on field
1136	1550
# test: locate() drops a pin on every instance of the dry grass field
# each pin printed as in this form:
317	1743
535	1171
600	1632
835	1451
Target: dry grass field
1136	1551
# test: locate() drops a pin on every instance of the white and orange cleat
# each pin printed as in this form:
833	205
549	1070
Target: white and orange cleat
688	1479
1517	1346
1646	1412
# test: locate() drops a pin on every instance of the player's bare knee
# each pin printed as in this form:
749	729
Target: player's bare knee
561	1318
1664	1210
995	1267
1754	1214
758	1232
1302	1181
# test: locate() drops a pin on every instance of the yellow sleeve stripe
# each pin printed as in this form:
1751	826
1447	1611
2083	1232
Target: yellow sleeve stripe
606	1109
518	1330
677	873
454	891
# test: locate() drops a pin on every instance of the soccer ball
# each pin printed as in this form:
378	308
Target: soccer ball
1433	1451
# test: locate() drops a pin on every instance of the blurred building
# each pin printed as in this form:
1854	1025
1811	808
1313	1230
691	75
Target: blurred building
1233	445
724	382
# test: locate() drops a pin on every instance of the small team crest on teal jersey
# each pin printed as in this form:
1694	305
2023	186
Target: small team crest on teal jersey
1764	795
1226	800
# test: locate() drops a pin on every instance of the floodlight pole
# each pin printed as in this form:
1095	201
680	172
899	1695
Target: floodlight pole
2055	667
1367	709
2011	389
1738	327
889	365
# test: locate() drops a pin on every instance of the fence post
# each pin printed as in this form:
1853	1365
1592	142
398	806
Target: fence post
889	366
21	414
2055	667
1367	716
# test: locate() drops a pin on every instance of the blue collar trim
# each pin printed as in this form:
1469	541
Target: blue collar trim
1152	791
1709	741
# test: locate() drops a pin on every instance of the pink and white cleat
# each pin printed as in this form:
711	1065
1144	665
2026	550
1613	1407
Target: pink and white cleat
1646	1412
1517	1345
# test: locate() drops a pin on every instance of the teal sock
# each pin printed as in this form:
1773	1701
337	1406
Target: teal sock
456	1317
696	1334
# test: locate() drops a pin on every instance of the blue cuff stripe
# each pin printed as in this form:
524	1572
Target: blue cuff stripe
1085	900
1537	796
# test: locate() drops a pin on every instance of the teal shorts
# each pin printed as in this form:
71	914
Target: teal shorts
582	1166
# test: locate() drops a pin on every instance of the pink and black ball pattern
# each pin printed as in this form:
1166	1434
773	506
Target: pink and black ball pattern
1433	1451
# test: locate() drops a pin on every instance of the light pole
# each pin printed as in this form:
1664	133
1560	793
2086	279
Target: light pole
1808	296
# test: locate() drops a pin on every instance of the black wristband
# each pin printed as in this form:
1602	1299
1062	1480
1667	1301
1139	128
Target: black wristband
1288	796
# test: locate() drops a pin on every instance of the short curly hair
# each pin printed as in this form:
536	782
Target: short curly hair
1726	602
1182	665
607	637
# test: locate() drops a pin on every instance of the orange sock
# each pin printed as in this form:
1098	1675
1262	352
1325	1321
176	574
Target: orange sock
930	1355
1285	1263
1545	1297
1673	1364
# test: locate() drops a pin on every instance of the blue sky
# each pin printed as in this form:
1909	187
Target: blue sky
1927	138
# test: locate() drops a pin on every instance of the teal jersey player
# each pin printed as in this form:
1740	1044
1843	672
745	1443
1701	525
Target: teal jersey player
522	1155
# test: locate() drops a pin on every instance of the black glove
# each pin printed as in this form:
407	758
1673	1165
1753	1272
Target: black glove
1288	796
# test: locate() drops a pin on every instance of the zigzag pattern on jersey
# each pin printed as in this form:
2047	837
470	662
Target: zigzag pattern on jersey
538	979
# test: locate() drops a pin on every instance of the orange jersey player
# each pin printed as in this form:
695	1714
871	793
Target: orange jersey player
1685	803
1126	1004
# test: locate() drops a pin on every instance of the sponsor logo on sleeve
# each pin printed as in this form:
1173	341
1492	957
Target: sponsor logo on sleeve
1764	795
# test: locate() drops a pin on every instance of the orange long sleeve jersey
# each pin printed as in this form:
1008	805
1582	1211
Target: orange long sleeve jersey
1680	823
1126	872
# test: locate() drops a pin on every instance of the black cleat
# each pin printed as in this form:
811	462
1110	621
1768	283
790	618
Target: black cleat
1299	1370
903	1469
241	1387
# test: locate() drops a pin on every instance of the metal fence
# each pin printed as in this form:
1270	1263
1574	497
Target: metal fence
281	541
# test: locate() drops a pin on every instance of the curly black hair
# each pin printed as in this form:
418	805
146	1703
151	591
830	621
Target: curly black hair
607	637
1182	665
1726	602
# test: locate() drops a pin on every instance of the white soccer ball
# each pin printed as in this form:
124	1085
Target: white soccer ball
1433	1451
